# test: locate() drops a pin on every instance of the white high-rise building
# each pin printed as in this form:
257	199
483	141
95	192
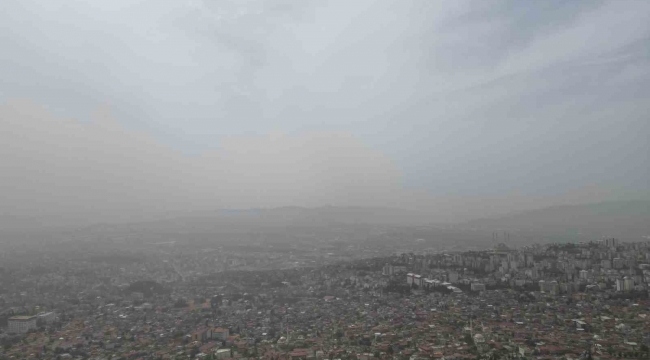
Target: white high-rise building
628	284
452	277
611	243
388	270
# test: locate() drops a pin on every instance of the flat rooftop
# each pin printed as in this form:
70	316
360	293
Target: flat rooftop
22	317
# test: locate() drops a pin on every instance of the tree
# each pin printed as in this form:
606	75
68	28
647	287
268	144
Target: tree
180	303
194	352
469	340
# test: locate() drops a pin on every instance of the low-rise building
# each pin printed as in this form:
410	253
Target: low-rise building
47	317
478	286
220	334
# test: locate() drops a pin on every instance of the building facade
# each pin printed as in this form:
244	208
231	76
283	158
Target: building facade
21	324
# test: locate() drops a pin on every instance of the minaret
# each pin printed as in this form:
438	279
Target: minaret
471	327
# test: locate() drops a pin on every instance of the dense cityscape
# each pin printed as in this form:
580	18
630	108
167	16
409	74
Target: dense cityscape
544	301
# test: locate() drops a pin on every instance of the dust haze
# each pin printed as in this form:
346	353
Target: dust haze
324	179
113	111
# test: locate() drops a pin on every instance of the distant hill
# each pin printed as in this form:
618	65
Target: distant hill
284	217
17	224
626	220
284	225
329	214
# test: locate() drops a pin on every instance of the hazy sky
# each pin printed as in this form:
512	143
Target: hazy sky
461	108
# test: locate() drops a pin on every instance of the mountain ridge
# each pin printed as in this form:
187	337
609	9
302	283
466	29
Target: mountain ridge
628	219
